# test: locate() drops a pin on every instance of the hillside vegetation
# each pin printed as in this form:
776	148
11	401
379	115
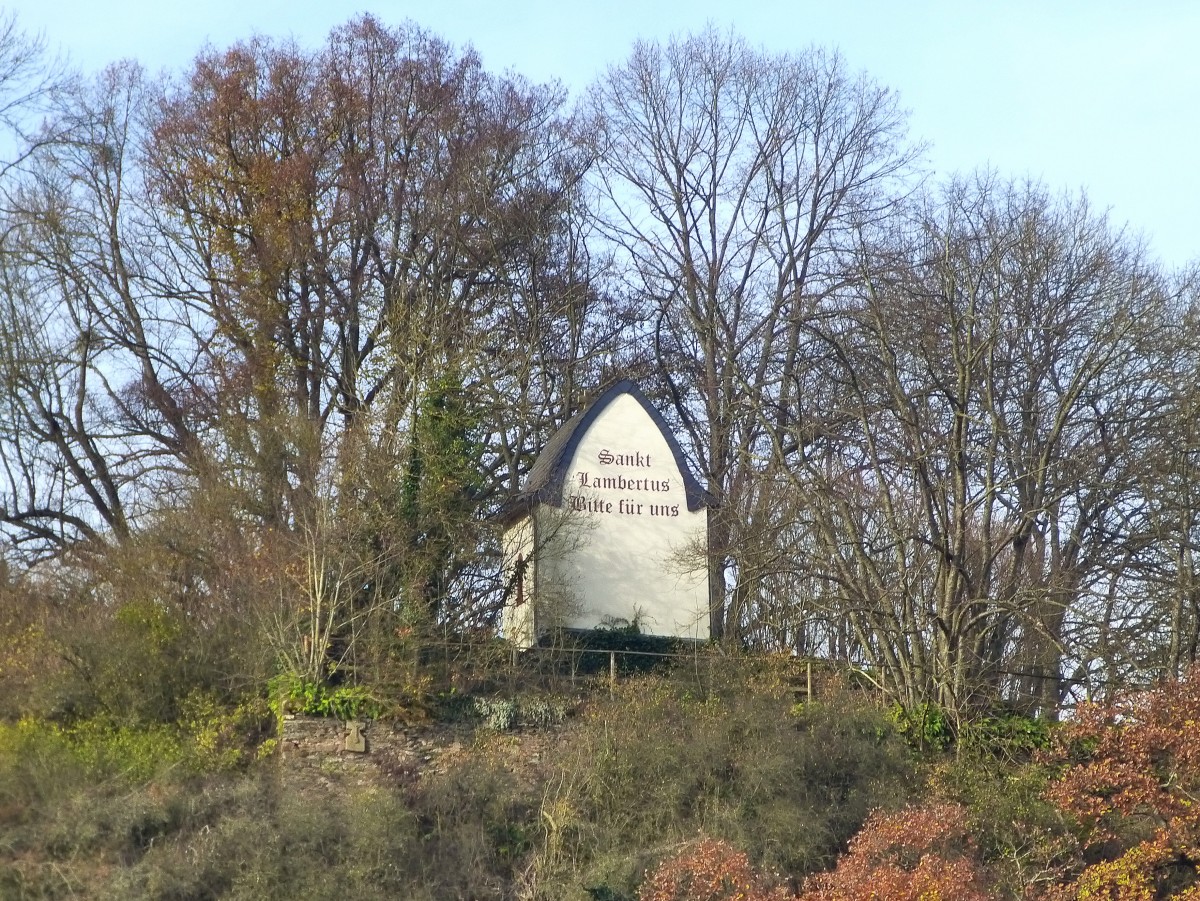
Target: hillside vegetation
656	791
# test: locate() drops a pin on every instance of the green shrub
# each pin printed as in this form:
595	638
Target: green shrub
636	652
1001	733
96	749
543	712
37	767
72	799
499	714
135	754
1007	735
927	727
502	714
346	702
219	737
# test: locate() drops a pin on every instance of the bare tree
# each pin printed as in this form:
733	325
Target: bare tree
732	180
1164	622
241	282
30	79
982	478
80	353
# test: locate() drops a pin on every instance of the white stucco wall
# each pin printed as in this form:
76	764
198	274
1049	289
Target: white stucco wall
630	546
518	622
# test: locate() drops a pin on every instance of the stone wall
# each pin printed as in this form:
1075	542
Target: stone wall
330	746
323	749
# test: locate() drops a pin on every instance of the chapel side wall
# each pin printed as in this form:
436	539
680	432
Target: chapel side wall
518	622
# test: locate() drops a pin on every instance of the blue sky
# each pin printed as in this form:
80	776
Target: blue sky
1100	95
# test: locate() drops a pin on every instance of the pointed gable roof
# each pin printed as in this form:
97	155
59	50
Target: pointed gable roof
544	484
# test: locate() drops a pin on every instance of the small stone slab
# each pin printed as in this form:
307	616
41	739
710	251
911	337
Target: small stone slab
355	740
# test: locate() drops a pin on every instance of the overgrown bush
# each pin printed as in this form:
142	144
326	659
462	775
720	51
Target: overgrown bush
478	826
1025	840
709	870
918	854
1129	775
253	840
220	737
71	801
98	751
133	663
659	763
250	835
26	660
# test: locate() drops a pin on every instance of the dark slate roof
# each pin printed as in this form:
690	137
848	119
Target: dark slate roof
544	483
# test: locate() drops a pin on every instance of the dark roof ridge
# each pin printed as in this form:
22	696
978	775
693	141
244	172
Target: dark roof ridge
544	483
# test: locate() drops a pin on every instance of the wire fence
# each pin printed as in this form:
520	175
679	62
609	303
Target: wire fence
498	668
572	666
